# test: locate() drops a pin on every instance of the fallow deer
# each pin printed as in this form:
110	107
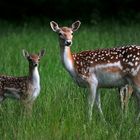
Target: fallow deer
101	68
27	88
125	94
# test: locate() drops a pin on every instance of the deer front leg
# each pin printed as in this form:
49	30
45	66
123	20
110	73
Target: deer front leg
92	95
2	97
28	105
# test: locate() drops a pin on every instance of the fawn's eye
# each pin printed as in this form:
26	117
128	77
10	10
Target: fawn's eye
29	58
71	33
39	59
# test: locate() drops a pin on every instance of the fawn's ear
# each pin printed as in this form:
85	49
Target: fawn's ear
54	26
42	53
25	53
75	26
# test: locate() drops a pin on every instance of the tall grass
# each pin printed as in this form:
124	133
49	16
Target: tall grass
59	112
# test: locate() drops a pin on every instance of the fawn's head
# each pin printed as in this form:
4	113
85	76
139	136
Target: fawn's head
65	33
33	59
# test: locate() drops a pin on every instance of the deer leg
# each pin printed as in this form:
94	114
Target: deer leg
122	98
128	93
91	99
98	103
125	94
27	107
92	95
137	92
136	87
2	98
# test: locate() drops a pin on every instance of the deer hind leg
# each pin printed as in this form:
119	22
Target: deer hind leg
136	87
137	92
98	103
122	95
125	94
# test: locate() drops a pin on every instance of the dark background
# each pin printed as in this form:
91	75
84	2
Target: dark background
70	9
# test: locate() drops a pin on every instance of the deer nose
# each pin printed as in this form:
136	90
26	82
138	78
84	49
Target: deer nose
35	64
68	42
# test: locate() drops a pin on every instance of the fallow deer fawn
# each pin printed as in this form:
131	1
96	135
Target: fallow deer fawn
27	88
102	68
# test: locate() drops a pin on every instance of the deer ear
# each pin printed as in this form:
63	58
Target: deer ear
54	26
75	26
25	53
42	52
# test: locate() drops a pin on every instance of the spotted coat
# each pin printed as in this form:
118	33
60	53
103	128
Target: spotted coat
24	88
128	56
20	83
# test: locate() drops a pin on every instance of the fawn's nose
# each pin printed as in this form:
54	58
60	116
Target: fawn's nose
68	42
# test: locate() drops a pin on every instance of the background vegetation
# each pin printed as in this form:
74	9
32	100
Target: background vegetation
59	112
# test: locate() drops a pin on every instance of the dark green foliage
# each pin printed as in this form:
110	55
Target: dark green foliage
70	9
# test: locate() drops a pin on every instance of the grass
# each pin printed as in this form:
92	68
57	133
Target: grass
59	111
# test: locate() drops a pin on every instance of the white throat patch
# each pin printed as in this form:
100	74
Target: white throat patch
36	82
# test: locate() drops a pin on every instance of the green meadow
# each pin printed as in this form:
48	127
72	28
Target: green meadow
59	112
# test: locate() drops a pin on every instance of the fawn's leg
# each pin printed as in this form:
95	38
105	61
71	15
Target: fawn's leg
28	105
2	98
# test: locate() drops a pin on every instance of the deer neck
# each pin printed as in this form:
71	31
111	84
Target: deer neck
69	64
67	59
34	76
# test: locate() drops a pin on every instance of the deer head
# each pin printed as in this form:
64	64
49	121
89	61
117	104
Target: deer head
65	33
33	59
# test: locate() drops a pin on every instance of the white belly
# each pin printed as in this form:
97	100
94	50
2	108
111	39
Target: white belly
107	79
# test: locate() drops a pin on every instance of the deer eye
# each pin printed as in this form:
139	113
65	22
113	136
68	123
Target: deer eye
71	33
39	59
29	58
